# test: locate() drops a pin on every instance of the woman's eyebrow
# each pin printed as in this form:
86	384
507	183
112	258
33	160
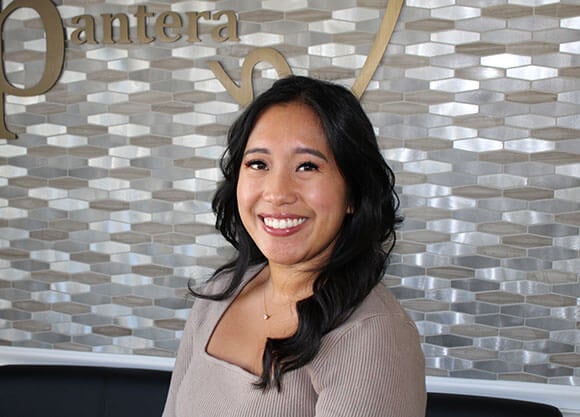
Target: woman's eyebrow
298	151
311	151
256	150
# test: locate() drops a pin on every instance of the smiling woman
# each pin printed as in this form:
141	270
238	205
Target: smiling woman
299	324
291	194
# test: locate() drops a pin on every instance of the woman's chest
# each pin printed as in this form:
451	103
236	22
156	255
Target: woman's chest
212	387
240	332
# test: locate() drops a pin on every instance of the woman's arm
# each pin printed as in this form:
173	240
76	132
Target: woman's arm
182	361
375	369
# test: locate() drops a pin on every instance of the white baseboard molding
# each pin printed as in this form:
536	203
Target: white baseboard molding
33	356
565	397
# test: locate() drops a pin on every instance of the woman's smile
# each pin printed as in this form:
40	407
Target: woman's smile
285	224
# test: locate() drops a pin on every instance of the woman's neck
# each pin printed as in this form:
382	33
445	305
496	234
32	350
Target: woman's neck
288	282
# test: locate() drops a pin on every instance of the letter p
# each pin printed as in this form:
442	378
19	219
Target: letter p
54	58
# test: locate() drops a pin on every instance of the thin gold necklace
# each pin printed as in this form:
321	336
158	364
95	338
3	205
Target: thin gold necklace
266	315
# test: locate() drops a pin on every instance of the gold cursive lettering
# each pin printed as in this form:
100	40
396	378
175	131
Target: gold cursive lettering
169	27
378	49
244	94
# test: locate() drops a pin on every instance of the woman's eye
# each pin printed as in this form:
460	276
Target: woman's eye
256	164
308	166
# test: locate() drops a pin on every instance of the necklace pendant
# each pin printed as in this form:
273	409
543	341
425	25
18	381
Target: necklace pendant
266	316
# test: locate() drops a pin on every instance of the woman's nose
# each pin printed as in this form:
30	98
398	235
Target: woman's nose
279	188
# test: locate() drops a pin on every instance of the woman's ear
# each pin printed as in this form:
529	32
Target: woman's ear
349	209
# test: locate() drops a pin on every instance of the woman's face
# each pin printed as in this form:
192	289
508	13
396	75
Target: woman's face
291	195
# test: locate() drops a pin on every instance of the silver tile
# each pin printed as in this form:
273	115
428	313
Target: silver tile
527	217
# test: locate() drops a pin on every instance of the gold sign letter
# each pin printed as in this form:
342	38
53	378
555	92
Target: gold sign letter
88	29
54	59
378	49
244	94
231	27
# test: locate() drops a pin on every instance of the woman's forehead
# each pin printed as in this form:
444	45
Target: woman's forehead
293	125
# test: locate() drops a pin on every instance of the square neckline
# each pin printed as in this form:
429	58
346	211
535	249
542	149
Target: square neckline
250	274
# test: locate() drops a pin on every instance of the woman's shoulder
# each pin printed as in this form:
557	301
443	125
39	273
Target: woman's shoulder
379	315
377	353
378	342
380	301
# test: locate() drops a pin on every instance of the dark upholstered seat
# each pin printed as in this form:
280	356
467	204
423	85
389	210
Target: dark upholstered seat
82	391
78	391
454	405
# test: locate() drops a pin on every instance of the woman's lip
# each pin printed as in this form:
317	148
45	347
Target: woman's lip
282	225
281	216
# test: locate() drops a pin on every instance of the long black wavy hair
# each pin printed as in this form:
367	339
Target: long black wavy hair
366	238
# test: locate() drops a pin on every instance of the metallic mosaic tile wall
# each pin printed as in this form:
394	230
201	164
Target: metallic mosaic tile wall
105	197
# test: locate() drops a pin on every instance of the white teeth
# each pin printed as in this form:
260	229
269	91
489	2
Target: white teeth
283	223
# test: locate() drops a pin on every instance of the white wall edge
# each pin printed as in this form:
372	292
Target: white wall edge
33	356
565	397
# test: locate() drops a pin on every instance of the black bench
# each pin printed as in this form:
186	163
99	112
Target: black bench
83	391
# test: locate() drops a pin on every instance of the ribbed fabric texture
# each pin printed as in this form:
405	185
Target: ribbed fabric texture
371	366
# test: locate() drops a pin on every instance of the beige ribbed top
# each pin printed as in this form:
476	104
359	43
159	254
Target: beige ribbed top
371	366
